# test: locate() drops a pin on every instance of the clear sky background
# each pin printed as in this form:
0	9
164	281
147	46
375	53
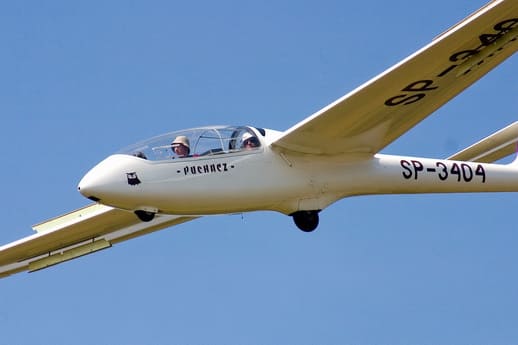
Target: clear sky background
80	80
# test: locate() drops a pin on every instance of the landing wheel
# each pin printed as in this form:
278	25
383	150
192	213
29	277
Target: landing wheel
306	221
145	216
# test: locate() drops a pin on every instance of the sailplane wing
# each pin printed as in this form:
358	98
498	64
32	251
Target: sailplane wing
75	234
372	116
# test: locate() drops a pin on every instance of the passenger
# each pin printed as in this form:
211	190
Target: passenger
140	154
181	146
250	141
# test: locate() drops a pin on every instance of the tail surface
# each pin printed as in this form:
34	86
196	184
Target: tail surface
492	148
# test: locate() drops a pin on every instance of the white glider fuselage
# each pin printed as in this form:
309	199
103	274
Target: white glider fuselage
332	154
269	179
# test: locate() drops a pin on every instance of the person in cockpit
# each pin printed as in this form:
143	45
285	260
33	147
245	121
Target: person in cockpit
181	146
250	141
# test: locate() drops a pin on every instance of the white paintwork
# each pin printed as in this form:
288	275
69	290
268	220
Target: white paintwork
60	238
265	180
494	147
323	158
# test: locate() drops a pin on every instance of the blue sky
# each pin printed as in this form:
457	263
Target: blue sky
79	80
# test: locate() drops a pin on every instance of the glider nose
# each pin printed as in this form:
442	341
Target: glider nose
89	184
103	182
92	183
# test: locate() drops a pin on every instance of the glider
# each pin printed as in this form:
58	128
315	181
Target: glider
179	176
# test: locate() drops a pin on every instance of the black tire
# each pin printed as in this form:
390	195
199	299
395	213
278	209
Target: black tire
306	221
145	216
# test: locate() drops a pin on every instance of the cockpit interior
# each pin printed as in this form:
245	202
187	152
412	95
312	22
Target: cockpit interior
197	142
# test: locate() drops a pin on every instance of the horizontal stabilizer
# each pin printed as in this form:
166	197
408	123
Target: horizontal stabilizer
488	150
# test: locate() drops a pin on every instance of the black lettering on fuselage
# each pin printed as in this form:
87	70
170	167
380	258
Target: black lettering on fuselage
206	169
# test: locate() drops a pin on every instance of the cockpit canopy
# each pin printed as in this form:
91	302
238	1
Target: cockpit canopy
198	142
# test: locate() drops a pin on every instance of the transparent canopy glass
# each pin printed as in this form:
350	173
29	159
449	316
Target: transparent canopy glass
202	141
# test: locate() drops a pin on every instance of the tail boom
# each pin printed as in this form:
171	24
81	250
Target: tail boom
411	175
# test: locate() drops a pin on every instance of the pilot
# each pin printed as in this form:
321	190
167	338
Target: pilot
250	141
180	146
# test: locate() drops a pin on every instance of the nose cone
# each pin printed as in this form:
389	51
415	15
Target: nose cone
106	180
91	183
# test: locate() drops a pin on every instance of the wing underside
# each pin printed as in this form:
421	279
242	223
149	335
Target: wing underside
75	234
372	116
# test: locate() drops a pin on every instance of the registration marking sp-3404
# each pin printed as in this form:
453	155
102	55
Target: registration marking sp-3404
444	170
